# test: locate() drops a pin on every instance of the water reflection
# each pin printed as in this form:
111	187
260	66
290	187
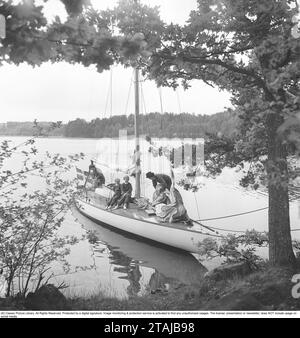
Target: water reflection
145	266
129	268
132	275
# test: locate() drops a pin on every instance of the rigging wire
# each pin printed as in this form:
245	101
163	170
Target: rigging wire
178	101
109	96
143	100
161	120
111	107
160	100
109	101
127	150
128	96
146	129
111	92
197	206
142	124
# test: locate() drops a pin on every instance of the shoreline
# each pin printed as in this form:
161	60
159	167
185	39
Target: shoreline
268	289
131	137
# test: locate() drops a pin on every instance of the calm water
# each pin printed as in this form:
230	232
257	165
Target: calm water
118	265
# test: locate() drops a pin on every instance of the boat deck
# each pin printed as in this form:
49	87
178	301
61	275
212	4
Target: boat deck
133	212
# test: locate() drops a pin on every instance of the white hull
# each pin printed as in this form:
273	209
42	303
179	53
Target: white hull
174	264
174	235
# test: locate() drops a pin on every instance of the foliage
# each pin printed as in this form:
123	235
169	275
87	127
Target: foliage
30	217
75	7
235	248
28	35
88	36
24	40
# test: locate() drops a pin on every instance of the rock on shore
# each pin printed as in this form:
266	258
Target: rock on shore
47	298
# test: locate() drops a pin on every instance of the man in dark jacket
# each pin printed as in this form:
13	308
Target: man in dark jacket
163	179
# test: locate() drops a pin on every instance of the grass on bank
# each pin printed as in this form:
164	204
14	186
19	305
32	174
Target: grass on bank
268	289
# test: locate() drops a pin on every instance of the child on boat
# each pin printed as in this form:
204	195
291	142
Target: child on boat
126	191
116	187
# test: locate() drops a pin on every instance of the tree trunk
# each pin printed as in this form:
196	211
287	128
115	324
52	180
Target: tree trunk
9	283
280	246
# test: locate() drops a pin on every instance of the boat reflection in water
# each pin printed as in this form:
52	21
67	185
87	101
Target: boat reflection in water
129	255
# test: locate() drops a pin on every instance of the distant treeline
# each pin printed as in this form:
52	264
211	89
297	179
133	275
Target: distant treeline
30	129
154	124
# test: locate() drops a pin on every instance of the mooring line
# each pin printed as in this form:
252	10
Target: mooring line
233	215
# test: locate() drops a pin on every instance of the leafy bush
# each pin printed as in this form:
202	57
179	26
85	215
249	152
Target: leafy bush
29	217
235	248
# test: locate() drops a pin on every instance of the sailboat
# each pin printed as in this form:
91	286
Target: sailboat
135	220
175	264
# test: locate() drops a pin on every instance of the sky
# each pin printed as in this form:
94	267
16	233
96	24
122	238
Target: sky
63	92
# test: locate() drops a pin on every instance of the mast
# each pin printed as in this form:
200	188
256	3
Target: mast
136	131
137	137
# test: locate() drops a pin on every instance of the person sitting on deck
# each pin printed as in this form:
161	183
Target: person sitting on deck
163	179
126	191
116	187
175	211
96	174
159	196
